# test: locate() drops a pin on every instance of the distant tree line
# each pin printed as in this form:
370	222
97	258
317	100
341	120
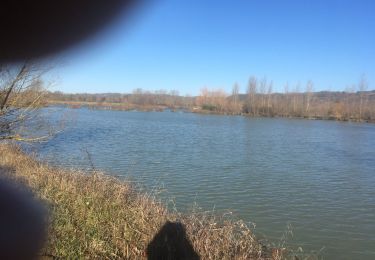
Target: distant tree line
139	97
355	103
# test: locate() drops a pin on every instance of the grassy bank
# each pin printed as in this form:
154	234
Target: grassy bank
97	216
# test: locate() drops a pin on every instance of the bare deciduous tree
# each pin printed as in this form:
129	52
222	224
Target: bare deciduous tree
309	93
362	87
286	101
263	91
251	95
295	98
235	97
235	92
269	97
21	94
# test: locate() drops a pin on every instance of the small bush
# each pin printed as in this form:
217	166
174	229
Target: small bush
209	107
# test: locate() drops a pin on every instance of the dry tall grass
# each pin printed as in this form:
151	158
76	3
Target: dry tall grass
97	216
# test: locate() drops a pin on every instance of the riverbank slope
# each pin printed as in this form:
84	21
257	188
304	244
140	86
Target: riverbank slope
92	215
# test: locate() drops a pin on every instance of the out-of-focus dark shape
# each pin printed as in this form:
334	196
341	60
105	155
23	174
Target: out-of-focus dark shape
22	222
32	29
171	242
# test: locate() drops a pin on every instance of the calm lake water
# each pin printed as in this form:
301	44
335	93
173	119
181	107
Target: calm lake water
316	176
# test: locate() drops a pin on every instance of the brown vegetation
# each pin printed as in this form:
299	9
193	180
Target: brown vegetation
96	216
354	104
21	94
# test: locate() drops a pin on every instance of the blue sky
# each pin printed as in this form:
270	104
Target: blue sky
187	45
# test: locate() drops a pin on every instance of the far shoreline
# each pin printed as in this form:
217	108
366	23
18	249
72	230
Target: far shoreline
196	110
